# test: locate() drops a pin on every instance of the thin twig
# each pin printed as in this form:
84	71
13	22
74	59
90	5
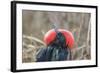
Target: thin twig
33	38
80	29
32	46
88	35
78	48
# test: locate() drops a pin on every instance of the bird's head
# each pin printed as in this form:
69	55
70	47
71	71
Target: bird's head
59	37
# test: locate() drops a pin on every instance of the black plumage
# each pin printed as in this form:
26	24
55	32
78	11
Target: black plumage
55	51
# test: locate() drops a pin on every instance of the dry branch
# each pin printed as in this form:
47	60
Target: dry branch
89	29
34	38
80	28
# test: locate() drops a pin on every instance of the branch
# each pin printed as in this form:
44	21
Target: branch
89	28
80	28
33	38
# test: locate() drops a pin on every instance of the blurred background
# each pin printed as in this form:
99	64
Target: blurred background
36	23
